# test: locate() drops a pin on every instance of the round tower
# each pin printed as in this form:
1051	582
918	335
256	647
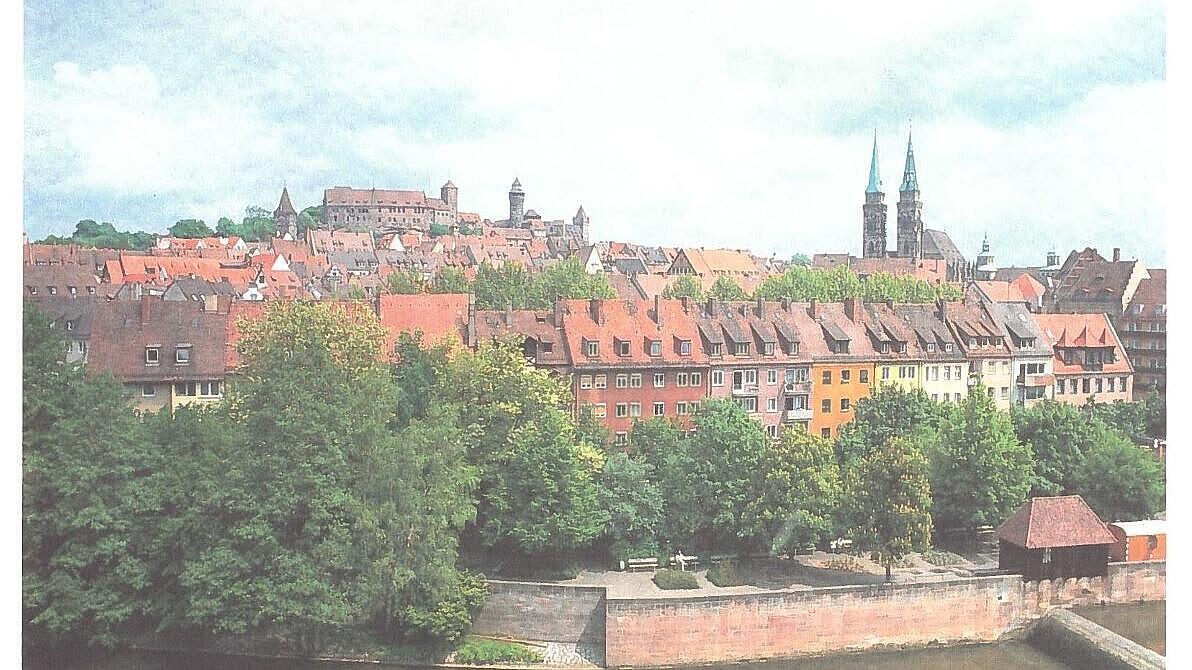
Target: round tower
517	204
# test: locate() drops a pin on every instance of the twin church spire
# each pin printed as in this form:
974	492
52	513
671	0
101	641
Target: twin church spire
910	210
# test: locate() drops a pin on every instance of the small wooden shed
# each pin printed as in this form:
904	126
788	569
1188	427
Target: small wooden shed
1054	537
1139	540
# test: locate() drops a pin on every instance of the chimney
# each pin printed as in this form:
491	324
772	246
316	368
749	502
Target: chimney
813	308
1117	254
686	304
146	308
658	310
761	308
508	312
210	303
786	304
596	309
471	334
558	312
943	309
223	304
711	306
851	308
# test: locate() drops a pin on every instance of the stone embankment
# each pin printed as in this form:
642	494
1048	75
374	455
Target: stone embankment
1088	645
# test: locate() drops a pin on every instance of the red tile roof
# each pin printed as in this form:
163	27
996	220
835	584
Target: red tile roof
122	329
437	315
610	321
1082	330
1057	521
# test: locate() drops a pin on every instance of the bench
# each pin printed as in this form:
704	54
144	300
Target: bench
636	564
689	562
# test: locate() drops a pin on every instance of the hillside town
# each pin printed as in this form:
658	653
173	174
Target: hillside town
1078	328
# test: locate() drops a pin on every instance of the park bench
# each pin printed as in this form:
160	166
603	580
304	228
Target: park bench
689	562
636	564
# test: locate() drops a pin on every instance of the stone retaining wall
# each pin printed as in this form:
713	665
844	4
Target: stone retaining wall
543	612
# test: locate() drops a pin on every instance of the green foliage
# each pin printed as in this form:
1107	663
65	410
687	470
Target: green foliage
633	502
725	574
191	229
675	579
941	557
404	282
1141	421
439	229
451	280
801	259
889	412
473	229
886	499
511	284
685	286
252	228
799	494
1059	435
801	283
1120	481
448	618
478	651
310	218
498	287
980	472
726	289
88	233
661	444
729	451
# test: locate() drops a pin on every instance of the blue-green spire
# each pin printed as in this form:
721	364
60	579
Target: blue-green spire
910	181
875	181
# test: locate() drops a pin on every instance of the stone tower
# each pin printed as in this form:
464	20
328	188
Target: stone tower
910	209
517	205
873	232
984	268
449	194
580	223
285	218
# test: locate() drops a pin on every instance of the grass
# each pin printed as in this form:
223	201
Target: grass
481	651
725	574
675	579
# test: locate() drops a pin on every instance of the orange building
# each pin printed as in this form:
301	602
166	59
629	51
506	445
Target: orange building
1138	541
842	372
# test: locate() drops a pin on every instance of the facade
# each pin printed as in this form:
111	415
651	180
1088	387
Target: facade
1088	359
981	339
1056	537
945	371
388	209
1031	356
67	280
167	354
72	319
1138	541
517	205
842	368
1143	330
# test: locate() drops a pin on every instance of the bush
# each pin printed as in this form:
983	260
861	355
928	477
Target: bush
540	569
449	618
941	557
844	562
675	579
477	651
725	574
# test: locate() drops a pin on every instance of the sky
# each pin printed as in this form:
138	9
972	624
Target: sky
690	124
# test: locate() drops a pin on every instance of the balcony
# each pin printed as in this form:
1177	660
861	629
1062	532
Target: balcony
745	389
793	388
792	415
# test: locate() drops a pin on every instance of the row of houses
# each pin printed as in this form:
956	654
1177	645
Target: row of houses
799	364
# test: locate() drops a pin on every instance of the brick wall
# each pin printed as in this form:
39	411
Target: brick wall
543	612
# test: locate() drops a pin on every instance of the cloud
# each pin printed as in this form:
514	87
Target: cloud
672	125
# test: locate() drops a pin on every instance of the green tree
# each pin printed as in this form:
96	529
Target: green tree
980	472
800	492
568	280
801	259
86	572
439	229
726	289
451	280
631	497
886	502
191	228
729	453
685	286
1120	481
663	445
498	287
310	218
891	411
1059	435
404	282
88	233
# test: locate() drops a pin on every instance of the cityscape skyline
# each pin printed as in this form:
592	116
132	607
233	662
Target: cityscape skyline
1025	119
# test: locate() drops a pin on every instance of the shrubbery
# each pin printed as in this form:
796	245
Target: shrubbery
725	574
675	579
475	651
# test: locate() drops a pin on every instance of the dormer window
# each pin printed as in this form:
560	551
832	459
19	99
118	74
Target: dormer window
684	347
741	348
622	347
182	354
948	347
70	325
655	347
152	355
885	348
714	349
546	347
900	347
591	348
792	349
32	290
53	290
930	346
768	348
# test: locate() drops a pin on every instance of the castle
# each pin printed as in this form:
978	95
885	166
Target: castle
520	217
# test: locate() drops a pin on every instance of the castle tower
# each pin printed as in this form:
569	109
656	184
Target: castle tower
873	232
517	204
285	218
580	222
449	194
985	269
910	209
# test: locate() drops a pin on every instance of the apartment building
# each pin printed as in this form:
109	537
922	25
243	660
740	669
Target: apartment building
1088	358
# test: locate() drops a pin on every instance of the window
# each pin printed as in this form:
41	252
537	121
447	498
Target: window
32	290
826	406
792	349
864	376
681	379
600	381
885	372
846	376
585	381
209	389
1005	393
718	378
826	378
684	347
622	348
622	381
749	404
741	349
655	347
1122	383
52	289
599	410
772	431
960	372
771	377
1112	382
621	439
182	355
1046	555
768	348
659	379
188	389
622	409
73	291
935	397
844	404
635	409
635	381
826	433
148	390
659	409
714	350
771	404
152	355
696	379
681	408
1084	385
70	325
947	372
591	348
1097	385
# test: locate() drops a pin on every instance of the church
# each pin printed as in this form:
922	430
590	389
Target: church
914	243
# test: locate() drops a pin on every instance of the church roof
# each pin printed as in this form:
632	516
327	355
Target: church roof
910	180
517	187
285	207
875	180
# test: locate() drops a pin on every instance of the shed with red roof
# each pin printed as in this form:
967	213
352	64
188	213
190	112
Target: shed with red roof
1054	537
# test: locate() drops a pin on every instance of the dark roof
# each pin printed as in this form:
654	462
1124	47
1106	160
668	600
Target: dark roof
1151	293
834	331
1057	521
1101	283
284	207
122	329
1012	273
61	309
937	244
61	277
